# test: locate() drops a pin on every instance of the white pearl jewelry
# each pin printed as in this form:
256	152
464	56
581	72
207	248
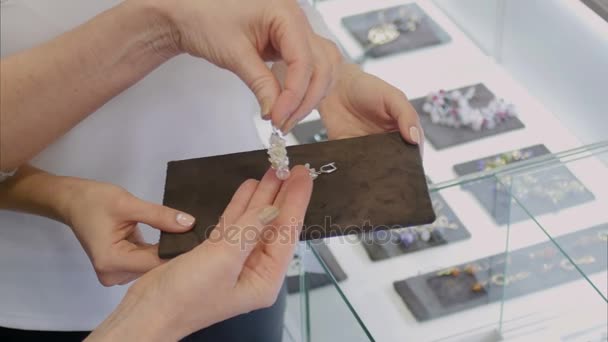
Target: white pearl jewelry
277	153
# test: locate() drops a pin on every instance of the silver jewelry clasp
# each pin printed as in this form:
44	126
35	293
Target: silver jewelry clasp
327	168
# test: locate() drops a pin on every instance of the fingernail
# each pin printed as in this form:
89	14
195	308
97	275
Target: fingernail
268	214
184	220
283	121
422	143
288	127
414	134
265	108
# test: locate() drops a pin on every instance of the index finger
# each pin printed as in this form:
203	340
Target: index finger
292	200
293	46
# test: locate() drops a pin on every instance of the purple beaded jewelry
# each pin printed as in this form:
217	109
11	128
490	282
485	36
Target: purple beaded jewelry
453	109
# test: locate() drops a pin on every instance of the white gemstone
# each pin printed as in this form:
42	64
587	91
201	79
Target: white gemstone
425	235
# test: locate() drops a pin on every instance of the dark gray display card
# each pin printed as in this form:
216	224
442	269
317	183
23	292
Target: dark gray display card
310	132
447	228
530	269
316	280
441	136
540	192
428	33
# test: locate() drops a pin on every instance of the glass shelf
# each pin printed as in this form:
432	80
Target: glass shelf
541	274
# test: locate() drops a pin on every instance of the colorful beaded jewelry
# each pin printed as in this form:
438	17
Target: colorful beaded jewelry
453	109
407	238
503	159
477	287
277	151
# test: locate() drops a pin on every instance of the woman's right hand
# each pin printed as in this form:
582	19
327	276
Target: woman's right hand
240	35
241	267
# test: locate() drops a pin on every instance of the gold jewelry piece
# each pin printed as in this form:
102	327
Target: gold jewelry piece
477	287
567	265
471	269
501	280
454	272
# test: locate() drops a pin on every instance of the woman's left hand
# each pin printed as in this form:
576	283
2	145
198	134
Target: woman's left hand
361	104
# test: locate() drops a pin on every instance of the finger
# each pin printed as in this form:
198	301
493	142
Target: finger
240	238
158	216
267	190
322	78
252	70
129	278
237	206
399	108
279	69
268	263
294	48
292	201
317	90
138	258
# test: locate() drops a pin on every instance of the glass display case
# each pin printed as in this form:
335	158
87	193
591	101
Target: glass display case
524	277
519	250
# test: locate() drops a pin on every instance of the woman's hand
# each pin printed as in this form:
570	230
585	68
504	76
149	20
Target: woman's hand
105	220
240	268
241	35
325	54
361	104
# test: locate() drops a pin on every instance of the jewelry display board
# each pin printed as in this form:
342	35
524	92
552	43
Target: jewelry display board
442	136
447	228
484	281
395	29
544	191
315	280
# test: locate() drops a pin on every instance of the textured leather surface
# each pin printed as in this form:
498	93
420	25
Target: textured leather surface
379	183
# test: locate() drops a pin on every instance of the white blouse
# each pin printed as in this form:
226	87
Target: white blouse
184	109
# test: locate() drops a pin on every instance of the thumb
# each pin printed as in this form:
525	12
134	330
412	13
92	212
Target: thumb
141	258
252	70
160	217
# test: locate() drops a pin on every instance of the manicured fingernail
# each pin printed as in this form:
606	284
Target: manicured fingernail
265	107
184	220
288	127
414	134
268	214
422	143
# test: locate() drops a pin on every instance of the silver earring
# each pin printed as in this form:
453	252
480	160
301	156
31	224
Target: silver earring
327	168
